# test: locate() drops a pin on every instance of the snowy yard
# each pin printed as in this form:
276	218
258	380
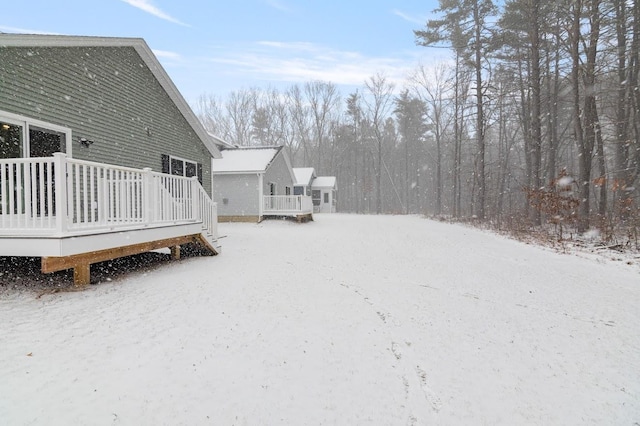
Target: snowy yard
348	320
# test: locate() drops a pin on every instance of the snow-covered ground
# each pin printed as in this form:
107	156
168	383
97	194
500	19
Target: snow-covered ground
382	320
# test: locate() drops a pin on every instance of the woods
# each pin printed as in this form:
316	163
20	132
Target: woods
539	101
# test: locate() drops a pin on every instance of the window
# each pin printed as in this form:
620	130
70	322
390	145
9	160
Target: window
190	169
11	145
180	167
177	167
287	190
326	198
316	193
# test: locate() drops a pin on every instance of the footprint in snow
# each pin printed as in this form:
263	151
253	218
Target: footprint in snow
395	349
431	396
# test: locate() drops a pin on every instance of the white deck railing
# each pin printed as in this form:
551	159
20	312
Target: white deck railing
209	212
287	204
61	195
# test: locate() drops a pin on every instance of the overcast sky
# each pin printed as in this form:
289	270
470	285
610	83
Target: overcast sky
215	47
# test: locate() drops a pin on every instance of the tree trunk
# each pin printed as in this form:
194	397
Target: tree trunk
480	161
536	128
456	142
553	79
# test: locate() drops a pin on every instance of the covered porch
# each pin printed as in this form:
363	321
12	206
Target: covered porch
73	213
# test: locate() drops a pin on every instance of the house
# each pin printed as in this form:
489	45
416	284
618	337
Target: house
100	155
323	189
304	178
257	182
324	194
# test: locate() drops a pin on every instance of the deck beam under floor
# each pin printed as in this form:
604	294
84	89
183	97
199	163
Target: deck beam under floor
81	263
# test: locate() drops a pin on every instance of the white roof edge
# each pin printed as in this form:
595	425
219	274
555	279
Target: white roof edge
218	140
240	172
145	52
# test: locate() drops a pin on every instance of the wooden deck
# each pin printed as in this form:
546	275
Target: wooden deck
73	213
297	206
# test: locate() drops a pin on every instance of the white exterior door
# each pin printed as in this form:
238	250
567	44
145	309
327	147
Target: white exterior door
326	202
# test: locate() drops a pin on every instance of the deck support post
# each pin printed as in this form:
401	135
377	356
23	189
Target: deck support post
175	252
82	274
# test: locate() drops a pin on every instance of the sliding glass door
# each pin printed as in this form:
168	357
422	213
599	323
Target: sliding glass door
26	188
24	137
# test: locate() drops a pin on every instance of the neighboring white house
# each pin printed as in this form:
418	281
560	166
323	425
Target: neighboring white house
252	183
323	189
324	194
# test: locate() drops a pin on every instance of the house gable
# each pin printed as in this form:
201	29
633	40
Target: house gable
109	91
304	175
280	173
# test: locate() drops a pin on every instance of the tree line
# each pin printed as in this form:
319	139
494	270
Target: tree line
535	119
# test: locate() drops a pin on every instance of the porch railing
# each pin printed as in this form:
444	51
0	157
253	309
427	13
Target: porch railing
287	204
61	195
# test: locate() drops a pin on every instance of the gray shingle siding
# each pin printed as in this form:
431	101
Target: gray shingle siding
279	174
105	94
241	193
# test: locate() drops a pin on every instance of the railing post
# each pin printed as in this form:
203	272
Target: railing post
195	195
147	195
60	191
213	226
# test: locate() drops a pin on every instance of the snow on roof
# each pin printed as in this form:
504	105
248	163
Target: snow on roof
324	182
303	175
244	160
